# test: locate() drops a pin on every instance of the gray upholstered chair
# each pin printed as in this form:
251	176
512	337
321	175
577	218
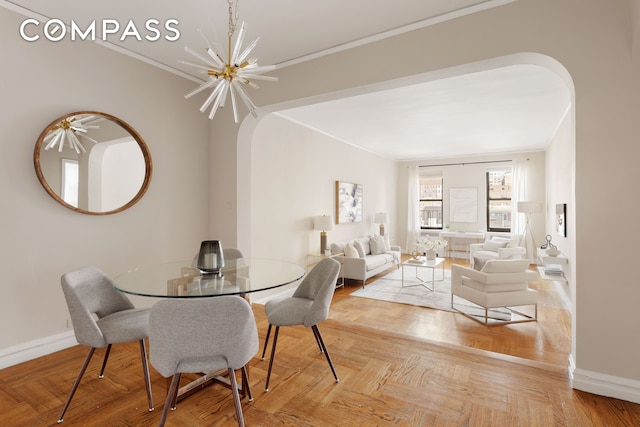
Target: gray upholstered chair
202	335
308	306
102	316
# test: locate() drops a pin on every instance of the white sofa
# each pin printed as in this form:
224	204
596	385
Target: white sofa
496	247
374	256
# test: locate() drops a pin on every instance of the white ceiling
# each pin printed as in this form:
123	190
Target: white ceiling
511	109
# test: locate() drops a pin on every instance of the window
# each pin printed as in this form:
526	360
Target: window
499	199
431	201
70	175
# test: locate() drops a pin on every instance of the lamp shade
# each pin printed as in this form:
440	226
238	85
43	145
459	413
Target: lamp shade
380	218
530	207
323	222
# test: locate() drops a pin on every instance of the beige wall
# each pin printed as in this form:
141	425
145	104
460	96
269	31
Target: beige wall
40	238
293	175
592	39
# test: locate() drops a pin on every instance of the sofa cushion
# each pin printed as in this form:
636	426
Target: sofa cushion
360	248
377	245
350	251
505	266
374	261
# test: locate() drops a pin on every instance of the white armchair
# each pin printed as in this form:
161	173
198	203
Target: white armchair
500	284
496	247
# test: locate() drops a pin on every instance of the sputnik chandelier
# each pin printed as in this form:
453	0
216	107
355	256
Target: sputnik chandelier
67	132
232	76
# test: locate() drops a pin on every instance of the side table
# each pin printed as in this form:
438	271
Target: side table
552	267
313	259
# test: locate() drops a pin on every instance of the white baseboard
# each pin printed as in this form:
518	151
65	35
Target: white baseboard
605	385
34	349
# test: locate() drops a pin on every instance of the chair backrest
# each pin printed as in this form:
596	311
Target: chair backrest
319	286
90	295
232	253
201	334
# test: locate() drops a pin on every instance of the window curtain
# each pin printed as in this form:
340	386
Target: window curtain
519	194
413	212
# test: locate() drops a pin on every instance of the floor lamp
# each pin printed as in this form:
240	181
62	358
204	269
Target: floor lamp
529	208
323	223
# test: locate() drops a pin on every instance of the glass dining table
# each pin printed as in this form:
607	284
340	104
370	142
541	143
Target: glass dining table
181	279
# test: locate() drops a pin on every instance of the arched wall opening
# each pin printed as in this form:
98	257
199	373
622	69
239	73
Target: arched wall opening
248	230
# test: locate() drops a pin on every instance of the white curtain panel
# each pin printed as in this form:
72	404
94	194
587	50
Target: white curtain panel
413	213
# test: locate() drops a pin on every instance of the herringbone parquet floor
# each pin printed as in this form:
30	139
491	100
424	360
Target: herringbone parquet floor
398	366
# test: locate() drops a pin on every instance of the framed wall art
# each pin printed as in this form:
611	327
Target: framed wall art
561	219
348	202
463	204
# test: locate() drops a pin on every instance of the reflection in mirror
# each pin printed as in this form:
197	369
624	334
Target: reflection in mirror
92	163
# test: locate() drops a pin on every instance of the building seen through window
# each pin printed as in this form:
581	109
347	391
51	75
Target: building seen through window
499	188
431	201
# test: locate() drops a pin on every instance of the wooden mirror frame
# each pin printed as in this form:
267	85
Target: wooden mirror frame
127	128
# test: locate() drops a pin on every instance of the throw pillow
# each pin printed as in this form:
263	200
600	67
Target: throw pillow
478	263
350	251
510	243
505	266
337	248
493	245
360	248
377	245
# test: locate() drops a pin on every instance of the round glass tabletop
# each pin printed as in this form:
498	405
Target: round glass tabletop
180	279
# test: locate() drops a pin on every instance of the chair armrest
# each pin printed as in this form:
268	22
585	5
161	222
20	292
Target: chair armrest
354	267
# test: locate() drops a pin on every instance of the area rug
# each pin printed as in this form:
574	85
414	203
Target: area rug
389	288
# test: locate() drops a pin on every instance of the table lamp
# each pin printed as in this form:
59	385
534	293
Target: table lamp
323	223
381	218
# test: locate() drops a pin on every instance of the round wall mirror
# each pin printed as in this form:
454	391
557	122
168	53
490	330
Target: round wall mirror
92	163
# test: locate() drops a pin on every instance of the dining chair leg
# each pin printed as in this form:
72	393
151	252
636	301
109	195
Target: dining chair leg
145	370
273	353
236	396
171	398
316	332
318	342
104	361
266	341
246	388
75	385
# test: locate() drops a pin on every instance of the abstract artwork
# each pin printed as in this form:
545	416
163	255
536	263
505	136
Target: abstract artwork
348	202
561	219
463	205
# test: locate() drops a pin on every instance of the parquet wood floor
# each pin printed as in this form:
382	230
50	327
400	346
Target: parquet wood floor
398	365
